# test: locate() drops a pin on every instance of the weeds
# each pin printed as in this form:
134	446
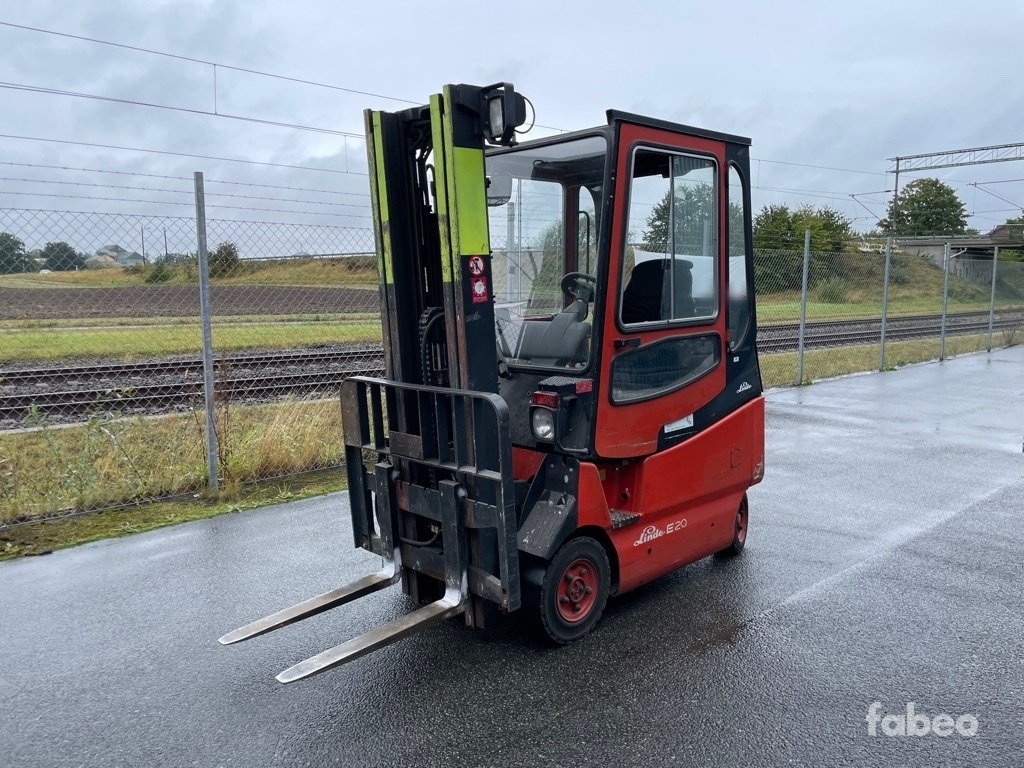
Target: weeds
107	461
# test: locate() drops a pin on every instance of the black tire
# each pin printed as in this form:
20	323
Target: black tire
739	535
574	590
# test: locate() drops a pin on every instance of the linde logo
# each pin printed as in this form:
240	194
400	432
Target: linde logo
915	724
652	532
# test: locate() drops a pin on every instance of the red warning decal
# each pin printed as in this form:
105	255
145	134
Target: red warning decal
476	265
478	288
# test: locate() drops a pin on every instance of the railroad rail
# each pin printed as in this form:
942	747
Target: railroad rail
185	366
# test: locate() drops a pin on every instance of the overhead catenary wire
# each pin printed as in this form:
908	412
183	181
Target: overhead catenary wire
221	65
183	154
998	196
175	202
28	88
187	192
184	178
190	220
331	86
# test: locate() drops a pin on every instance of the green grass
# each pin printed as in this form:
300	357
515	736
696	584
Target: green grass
311	272
150	340
110	461
43	537
780	370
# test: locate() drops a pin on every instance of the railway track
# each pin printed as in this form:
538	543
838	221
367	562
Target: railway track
186	366
784	337
116	387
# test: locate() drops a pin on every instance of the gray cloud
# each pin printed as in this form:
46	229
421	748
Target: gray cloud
810	83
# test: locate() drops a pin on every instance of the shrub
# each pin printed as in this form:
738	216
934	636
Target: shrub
223	260
831	290
158	273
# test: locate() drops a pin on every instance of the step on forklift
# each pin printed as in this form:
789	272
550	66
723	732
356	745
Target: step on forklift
572	404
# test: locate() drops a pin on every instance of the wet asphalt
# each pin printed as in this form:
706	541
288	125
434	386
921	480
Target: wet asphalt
884	565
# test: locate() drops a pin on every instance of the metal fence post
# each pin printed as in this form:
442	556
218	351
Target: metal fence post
204	312
992	301
803	308
885	303
945	302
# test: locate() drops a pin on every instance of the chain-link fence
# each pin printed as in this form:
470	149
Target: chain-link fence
102	397
109	395
885	304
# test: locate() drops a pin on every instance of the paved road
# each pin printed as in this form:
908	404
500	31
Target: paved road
885	564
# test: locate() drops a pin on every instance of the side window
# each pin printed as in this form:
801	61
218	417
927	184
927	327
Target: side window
669	265
739	296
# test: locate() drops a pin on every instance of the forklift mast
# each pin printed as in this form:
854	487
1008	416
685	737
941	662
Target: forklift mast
428	190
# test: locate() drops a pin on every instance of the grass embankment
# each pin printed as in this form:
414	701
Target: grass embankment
107	461
780	370
128	339
915	288
355	272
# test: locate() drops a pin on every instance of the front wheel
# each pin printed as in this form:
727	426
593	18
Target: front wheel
575	590
739	535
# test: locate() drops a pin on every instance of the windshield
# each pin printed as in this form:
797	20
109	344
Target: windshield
544	205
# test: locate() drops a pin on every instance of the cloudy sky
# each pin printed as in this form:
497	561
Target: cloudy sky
826	94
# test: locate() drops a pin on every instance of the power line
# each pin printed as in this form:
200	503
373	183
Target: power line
183	178
27	88
173	202
182	154
1000	181
191	219
187	192
220	65
818	167
998	196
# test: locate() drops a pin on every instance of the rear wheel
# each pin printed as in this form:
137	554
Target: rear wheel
739	536
574	590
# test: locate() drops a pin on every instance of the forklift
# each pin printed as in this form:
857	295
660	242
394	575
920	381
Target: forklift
572	404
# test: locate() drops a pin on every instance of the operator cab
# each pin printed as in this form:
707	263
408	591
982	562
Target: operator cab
621	260
545	273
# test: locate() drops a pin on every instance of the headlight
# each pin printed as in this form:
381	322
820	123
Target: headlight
496	115
542	422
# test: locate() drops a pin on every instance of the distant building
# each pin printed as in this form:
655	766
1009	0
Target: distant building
101	261
121	256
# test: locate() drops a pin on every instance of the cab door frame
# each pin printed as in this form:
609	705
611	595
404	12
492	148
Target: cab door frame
631	429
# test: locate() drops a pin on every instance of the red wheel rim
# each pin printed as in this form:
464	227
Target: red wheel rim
741	524
577	590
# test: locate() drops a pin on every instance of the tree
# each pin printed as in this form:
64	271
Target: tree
689	213
925	207
61	257
12	255
223	259
779	243
778	227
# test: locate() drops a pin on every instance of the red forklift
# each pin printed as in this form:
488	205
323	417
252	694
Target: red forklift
572	404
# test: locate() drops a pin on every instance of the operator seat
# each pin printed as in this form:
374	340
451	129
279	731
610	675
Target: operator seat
562	340
646	297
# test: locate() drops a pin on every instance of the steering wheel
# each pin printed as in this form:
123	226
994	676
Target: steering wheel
579	285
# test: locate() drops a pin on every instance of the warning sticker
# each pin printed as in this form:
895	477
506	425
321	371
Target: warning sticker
478	289
476	265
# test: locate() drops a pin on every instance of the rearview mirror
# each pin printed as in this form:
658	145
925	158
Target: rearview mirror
499	189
